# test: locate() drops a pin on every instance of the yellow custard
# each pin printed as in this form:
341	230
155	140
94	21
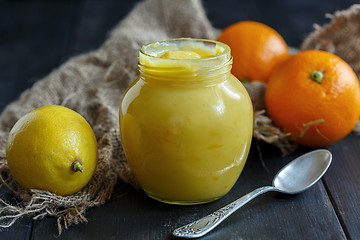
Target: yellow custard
180	54
186	122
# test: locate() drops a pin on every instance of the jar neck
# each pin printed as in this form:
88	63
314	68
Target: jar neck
211	69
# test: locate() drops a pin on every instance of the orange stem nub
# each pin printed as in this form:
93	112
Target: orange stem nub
317	76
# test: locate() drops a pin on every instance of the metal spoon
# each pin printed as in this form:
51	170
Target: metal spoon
295	177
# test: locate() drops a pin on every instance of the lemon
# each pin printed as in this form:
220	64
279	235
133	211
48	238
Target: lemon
52	148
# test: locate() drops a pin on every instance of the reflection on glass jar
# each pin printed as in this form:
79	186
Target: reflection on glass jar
186	122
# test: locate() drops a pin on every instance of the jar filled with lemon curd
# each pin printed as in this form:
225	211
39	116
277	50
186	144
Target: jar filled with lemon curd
186	121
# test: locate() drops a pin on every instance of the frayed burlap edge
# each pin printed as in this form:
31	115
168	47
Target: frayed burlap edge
67	209
264	129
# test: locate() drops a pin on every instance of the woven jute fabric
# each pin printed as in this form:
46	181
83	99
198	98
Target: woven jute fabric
341	36
93	85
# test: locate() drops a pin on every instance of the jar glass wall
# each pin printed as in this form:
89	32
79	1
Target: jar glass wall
186	122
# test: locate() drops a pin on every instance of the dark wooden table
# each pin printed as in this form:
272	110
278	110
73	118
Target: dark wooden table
37	36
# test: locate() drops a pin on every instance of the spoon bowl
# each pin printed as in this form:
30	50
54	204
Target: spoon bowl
297	176
303	172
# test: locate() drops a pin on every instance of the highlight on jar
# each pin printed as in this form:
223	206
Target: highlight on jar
186	121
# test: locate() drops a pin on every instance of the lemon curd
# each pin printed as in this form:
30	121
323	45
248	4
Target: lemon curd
186	122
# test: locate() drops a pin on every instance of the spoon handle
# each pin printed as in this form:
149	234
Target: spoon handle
206	224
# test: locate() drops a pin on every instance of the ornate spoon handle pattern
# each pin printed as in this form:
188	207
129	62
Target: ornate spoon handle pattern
206	224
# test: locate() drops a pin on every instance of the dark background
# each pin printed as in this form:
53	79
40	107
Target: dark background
37	36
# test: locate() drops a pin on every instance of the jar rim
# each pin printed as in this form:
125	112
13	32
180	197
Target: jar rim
214	68
225	48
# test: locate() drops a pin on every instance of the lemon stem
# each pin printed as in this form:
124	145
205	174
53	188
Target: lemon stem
317	76
77	166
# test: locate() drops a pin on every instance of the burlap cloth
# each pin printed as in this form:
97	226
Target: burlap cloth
93	84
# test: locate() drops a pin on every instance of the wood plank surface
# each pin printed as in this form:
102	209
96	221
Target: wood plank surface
343	183
37	36
130	214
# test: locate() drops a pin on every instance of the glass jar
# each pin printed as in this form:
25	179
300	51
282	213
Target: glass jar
186	122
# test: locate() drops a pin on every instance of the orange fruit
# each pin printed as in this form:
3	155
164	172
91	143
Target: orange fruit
315	96
256	49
